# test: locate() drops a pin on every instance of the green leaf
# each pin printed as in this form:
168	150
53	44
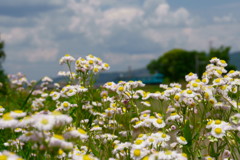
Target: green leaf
187	133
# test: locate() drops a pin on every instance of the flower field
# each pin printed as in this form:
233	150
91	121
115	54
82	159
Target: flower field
121	121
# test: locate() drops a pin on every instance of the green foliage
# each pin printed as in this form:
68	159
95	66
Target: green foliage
3	77
222	53
176	63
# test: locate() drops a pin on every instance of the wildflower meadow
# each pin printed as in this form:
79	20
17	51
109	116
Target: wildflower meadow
121	121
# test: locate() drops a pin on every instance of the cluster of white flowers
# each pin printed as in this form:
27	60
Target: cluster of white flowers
119	120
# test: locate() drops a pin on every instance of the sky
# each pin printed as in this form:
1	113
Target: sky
123	33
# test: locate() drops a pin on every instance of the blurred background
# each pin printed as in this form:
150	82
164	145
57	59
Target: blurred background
136	37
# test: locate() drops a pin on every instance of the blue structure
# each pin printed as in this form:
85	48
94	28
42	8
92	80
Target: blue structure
149	79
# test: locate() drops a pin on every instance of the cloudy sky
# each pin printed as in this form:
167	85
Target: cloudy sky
121	32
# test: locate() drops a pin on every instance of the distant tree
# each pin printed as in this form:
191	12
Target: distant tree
176	63
223	53
2	53
3	77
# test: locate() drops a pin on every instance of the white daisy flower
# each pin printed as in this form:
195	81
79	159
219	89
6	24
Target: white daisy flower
181	140
17	113
219	81
6	155
167	155
139	143
58	141
76	133
2	109
218	132
191	76
164	137
96	128
79	156
7	121
208	158
138	154
61	119
65	105
55	95
146	103
174	116
66	59
222	63
43	122
158	123
214	60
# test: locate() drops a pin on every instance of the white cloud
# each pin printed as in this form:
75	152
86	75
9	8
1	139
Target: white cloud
110	26
41	54
224	19
123	60
16	35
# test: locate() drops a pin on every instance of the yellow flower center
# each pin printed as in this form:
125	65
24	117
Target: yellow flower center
57	136
106	65
140	135
82	131
3	157
182	138
159	121
168	152
222	61
164	135
90	61
145	115
217	121
218	80
87	157
18	111
56	113
139	141
173	114
44	121
184	154
195	85
65	104
210	122
137	152
120	88
67	55
109	83
218	130
189	92
212	101
198	80
146	158
176	97
232	71
95	69
7	117
60	152
151	140
190	74
219	72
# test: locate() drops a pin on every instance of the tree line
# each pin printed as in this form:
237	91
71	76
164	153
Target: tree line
177	63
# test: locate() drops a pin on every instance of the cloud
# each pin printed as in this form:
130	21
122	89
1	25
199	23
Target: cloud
122	32
41	54
123	61
224	19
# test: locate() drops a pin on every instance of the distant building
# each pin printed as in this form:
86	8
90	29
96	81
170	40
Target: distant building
147	79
